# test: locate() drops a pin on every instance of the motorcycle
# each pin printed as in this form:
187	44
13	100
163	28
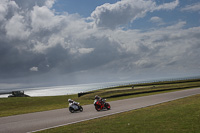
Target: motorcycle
75	107
101	104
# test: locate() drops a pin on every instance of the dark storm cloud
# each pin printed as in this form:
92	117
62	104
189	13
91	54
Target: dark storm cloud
16	63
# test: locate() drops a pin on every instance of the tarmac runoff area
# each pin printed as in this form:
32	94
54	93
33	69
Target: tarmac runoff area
38	121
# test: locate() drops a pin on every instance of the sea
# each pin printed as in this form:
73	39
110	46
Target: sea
74	89
65	90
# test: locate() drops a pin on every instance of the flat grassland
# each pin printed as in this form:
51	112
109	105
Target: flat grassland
179	116
21	105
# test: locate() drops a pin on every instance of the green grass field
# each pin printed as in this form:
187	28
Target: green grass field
179	116
21	105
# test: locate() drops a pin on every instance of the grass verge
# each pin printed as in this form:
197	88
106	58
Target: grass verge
179	116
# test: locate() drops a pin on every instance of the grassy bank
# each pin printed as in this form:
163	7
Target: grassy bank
21	105
179	116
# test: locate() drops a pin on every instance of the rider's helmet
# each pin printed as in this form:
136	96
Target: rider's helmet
70	100
96	97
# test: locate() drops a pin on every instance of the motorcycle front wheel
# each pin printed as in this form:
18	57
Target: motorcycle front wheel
71	110
81	108
97	107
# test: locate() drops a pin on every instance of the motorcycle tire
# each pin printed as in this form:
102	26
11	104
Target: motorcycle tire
107	106
71	110
81	108
97	107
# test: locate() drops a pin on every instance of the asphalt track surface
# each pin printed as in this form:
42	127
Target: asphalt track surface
33	122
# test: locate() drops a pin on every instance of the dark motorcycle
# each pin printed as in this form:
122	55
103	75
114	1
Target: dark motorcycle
75	107
101	104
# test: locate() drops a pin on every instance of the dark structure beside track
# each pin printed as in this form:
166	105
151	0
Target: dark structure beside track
18	94
83	93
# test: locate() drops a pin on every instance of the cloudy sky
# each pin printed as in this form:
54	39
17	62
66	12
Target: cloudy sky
60	42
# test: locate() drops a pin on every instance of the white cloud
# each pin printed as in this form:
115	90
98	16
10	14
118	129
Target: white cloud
168	6
125	11
3	10
81	51
39	47
16	28
49	3
157	20
34	69
145	63
160	48
86	50
120	13
43	18
177	26
6	7
192	8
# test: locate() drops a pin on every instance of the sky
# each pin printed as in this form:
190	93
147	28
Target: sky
65	42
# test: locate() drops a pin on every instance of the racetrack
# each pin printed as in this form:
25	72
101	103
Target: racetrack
54	118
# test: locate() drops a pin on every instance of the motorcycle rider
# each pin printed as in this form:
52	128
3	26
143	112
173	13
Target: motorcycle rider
74	106
71	102
98	98
100	103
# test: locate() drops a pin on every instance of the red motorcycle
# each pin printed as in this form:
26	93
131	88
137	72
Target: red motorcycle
101	104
